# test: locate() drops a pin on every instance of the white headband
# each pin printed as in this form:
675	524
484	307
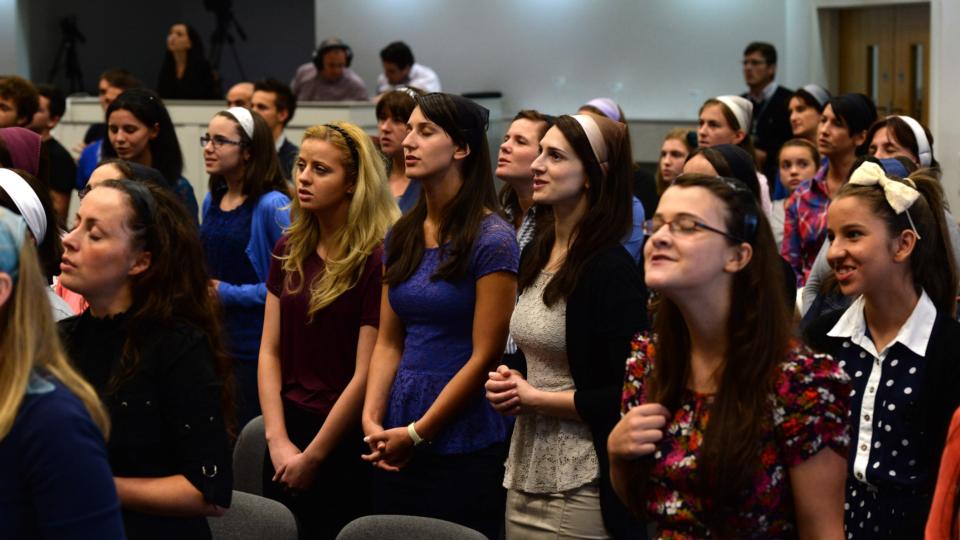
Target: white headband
243	116
592	130
27	202
608	107
924	152
741	107
817	93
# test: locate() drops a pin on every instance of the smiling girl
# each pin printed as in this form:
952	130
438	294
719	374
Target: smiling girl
730	428
320	325
897	341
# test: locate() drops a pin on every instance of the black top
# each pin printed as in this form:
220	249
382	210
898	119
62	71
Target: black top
198	81
63	169
165	417
918	416
772	128
645	190
95	133
288	156
606	309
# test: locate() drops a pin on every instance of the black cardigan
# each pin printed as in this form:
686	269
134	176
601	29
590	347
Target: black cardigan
938	400
606	309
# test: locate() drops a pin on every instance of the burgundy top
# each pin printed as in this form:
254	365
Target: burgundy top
318	357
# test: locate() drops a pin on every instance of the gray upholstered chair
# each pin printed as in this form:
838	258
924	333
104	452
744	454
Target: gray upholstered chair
406	528
252	517
248	458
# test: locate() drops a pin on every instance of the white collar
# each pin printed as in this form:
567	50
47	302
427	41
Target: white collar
769	90
279	142
914	334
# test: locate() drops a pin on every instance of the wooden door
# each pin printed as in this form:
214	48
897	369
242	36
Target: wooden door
884	52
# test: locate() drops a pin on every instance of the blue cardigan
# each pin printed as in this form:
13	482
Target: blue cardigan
270	217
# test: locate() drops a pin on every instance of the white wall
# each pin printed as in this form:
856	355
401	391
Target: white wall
13	52
660	59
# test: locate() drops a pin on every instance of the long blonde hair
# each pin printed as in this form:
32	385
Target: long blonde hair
372	212
29	340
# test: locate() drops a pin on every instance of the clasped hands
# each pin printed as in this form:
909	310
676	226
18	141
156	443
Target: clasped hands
390	449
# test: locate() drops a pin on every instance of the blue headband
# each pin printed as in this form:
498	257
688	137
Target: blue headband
13	230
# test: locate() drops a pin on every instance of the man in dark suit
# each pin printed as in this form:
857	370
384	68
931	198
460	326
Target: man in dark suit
275	102
771	115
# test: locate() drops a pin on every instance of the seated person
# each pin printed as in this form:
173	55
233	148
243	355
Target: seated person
240	95
329	77
400	69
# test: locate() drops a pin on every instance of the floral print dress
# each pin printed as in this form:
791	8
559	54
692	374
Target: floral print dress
809	409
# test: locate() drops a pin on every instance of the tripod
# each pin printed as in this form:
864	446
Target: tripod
221	34
70	36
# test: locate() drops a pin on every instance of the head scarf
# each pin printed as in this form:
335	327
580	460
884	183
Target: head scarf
24	148
12	233
741	107
26	201
608	107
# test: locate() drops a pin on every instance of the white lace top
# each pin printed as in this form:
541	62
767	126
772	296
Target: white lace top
547	454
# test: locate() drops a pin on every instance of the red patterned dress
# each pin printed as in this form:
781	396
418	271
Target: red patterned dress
809	409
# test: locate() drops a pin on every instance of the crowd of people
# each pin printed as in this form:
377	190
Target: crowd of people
756	342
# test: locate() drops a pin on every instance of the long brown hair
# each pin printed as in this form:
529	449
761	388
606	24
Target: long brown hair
608	216
169	292
757	339
509	202
461	218
262	173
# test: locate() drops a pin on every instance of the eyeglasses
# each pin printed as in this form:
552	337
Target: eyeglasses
752	62
217	141
683	226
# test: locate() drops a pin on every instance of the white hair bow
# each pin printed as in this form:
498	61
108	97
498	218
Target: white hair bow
900	196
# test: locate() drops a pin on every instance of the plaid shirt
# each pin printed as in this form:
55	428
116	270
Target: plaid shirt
805	224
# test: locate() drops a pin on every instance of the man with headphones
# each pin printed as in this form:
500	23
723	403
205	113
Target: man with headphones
329	77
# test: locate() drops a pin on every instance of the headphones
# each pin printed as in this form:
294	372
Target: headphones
924	152
328	45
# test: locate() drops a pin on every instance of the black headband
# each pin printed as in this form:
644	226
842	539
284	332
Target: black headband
350	143
750	214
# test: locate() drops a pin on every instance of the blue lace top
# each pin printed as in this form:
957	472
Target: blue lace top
438	320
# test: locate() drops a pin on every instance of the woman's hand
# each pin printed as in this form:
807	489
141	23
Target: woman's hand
509	393
298	473
280	453
637	433
390	450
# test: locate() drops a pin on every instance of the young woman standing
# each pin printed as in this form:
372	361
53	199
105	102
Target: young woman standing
730	428
898	341
243	217
150	345
450	286
320	326
393	110
582	300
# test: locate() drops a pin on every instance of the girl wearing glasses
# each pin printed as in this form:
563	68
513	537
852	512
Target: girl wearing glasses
149	344
244	215
729	427
139	129
898	341
320	326
582	299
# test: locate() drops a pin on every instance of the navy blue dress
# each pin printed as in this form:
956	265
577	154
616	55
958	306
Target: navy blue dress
900	409
225	236
55	481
